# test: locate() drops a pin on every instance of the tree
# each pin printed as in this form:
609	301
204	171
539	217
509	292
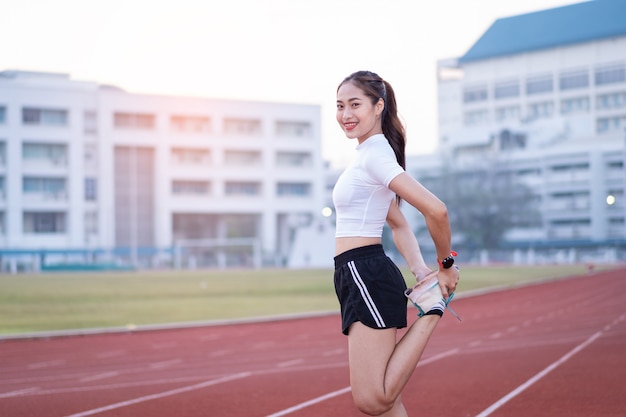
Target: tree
485	202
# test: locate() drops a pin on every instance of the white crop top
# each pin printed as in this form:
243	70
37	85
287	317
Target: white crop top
361	195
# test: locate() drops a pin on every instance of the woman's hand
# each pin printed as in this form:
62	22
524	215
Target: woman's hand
448	280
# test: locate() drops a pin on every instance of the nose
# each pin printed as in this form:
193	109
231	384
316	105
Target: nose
346	114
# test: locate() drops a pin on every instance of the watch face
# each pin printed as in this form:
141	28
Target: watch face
448	262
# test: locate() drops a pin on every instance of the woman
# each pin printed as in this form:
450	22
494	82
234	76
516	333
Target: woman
370	288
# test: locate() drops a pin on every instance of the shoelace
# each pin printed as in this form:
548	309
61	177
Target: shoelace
446	302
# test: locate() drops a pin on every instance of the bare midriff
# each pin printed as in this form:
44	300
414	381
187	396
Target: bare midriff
343	244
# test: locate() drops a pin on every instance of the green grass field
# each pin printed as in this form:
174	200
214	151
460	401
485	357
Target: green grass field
59	301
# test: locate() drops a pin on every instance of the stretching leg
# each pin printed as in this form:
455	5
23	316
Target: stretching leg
380	367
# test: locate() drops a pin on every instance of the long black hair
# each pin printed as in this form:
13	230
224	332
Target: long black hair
376	88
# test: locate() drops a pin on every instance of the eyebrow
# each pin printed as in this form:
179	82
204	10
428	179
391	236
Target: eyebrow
350	99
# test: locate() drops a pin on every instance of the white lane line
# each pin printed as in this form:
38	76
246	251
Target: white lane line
333	352
537	377
348	389
98	377
47	364
311	402
290	363
165	364
161	394
440	356
475	343
144	383
18	392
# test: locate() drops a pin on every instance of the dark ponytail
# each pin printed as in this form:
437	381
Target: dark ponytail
393	128
376	88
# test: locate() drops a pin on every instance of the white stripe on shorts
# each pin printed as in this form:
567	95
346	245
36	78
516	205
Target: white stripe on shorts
366	295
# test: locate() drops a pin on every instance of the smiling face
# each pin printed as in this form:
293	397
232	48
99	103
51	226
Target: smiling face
356	114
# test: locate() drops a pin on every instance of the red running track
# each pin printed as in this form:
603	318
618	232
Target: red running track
554	349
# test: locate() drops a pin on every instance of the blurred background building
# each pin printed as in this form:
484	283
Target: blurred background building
535	113
530	161
93	175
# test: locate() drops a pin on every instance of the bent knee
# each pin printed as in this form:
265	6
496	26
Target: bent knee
372	405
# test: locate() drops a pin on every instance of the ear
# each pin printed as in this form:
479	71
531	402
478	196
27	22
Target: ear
380	106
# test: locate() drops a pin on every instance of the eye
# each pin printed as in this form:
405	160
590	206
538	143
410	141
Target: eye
339	106
355	105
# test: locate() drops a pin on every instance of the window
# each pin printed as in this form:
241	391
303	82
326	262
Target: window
507	113
297	189
48	188
2	190
240	225
242	127
569	229
242	158
43	222
293	159
506	89
509	140
473	94
91	223
3	153
141	121
190	188
90	156
539	84
574	79
3	114
56	154
611	101
610	74
476	117
293	129
579	200
575	105
190	156
90	122
44	117
91	189
540	110
616	227
236	188
569	173
610	124
190	124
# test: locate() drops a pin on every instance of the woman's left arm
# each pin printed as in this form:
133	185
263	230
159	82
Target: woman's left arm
405	241
436	217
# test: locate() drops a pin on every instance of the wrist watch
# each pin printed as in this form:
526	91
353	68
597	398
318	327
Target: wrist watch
447	262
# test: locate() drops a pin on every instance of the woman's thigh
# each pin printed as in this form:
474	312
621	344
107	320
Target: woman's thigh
369	352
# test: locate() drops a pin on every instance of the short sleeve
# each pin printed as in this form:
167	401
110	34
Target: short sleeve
382	165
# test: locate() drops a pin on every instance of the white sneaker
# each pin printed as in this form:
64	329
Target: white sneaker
426	296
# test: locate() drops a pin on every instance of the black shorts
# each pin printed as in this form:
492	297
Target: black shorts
370	289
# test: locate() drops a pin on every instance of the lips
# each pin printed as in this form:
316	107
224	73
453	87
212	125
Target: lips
349	126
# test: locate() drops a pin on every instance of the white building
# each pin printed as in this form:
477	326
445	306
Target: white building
89	171
544	95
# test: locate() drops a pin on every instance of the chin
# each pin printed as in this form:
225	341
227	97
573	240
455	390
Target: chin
351	135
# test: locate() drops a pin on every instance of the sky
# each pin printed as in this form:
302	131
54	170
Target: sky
294	51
